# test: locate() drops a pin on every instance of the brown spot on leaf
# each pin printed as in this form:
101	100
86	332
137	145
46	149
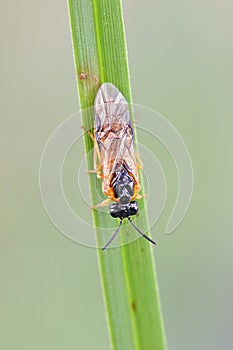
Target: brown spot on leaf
133	306
84	75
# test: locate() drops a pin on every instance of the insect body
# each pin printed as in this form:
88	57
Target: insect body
114	151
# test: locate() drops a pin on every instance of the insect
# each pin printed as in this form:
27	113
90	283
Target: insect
115	157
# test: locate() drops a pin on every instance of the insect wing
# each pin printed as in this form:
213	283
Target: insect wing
111	108
120	151
113	130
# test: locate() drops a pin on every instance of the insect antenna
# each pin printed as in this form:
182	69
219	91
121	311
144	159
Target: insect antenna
141	233
113	236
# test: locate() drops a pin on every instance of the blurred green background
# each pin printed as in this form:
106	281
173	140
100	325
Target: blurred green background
181	56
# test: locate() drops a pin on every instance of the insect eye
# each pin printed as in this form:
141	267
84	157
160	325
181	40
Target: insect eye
133	208
114	210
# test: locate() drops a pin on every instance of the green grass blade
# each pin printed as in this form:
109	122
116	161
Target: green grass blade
128	276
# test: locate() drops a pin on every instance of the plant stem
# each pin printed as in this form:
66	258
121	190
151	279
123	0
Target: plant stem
128	276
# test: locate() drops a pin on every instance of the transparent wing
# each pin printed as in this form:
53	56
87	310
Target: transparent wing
113	129
111	108
117	150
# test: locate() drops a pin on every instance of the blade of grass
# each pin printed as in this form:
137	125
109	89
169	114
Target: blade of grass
128	275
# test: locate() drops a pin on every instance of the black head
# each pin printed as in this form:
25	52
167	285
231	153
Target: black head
122	211
123	186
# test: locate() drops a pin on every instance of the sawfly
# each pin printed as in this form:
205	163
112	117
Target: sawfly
115	156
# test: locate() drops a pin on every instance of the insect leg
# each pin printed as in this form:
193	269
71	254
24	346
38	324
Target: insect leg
92	136
140	196
96	160
96	171
139	161
102	204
